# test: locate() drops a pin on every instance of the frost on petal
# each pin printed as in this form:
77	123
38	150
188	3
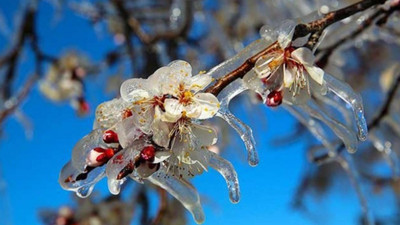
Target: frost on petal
110	112
173	111
244	131
82	183
198	82
347	94
134	89
118	167
348	137
206	136
208	105
181	190
128	131
226	169
84	146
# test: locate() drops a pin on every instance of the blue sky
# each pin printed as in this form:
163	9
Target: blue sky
30	167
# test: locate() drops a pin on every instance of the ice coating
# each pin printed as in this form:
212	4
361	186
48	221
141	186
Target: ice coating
116	164
127	131
83	187
285	32
237	60
379	141
110	112
181	190
84	146
244	131
226	169
348	137
313	126
347	94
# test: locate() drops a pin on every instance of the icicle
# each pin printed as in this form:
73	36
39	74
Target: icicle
345	92
82	187
226	169
314	127
349	138
181	190
244	131
339	106
347	164
385	147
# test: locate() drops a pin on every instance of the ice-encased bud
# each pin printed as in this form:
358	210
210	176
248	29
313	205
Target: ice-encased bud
81	150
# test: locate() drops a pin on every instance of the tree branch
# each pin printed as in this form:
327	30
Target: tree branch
301	30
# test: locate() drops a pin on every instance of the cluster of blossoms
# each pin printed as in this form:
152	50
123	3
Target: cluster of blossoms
153	132
64	81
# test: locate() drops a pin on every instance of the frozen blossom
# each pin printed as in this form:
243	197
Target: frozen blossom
287	74
156	132
153	132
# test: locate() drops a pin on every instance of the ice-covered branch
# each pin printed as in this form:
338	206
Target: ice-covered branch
301	30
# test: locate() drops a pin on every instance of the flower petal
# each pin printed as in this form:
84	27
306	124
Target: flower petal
128	132
173	111
288	75
208	104
316	73
205	135
161	130
135	89
110	112
198	82
182	67
303	56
